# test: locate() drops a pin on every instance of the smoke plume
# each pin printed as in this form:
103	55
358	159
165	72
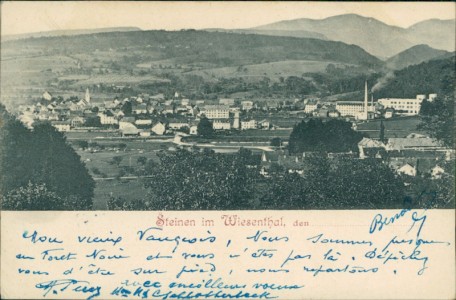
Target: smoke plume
383	81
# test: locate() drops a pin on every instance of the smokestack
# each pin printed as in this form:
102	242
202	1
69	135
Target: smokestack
372	102
365	99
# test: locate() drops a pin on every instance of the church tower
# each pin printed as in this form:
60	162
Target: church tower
87	96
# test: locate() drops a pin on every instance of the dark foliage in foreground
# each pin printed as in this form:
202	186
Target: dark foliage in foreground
438	119
40	170
185	180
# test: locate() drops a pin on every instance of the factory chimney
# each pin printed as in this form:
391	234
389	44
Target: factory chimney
365	100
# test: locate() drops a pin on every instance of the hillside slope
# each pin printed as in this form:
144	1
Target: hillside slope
435	76
415	55
190	46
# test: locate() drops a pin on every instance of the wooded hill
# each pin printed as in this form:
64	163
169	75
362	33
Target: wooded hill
190	46
434	76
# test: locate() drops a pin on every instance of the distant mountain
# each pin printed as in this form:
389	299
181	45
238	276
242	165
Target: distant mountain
291	33
415	55
374	36
191	46
439	34
67	32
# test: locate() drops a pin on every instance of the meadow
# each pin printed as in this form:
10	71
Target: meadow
397	127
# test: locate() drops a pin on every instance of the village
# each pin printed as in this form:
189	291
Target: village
266	126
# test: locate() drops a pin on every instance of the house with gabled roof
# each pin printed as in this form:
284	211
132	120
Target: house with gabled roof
107	118
407	169
159	128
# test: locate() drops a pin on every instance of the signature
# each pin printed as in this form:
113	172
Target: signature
62	285
379	221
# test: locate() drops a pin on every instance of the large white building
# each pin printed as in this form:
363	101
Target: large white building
217	112
349	108
360	110
401	106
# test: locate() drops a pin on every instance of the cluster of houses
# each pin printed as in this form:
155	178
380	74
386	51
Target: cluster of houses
147	115
143	115
414	155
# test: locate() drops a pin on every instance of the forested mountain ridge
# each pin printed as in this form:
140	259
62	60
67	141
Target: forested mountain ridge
222	49
434	76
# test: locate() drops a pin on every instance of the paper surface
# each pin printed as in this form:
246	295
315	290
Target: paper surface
305	254
209	255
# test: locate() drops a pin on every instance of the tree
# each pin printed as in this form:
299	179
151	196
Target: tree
185	180
316	135
42	161
32	197
336	183
83	144
127	108
56	164
364	184
382	132
438	119
205	128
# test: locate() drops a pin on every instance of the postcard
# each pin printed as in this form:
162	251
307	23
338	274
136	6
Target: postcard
227	150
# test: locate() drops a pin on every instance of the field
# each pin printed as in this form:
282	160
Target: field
107	180
118	79
273	70
397	127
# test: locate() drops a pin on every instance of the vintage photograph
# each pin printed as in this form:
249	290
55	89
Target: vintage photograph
227	105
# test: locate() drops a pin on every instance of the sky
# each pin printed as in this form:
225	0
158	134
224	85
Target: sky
26	17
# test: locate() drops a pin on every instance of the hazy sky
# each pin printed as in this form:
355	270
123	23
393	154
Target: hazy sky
23	17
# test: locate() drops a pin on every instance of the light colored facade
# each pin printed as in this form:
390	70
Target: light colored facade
432	97
251	124
247	105
178	125
402	106
217	112
61	126
194	130
107	118
77	121
349	108
389	113
127	128
407	169
159	128
310	107
47	96
221	124
143	122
